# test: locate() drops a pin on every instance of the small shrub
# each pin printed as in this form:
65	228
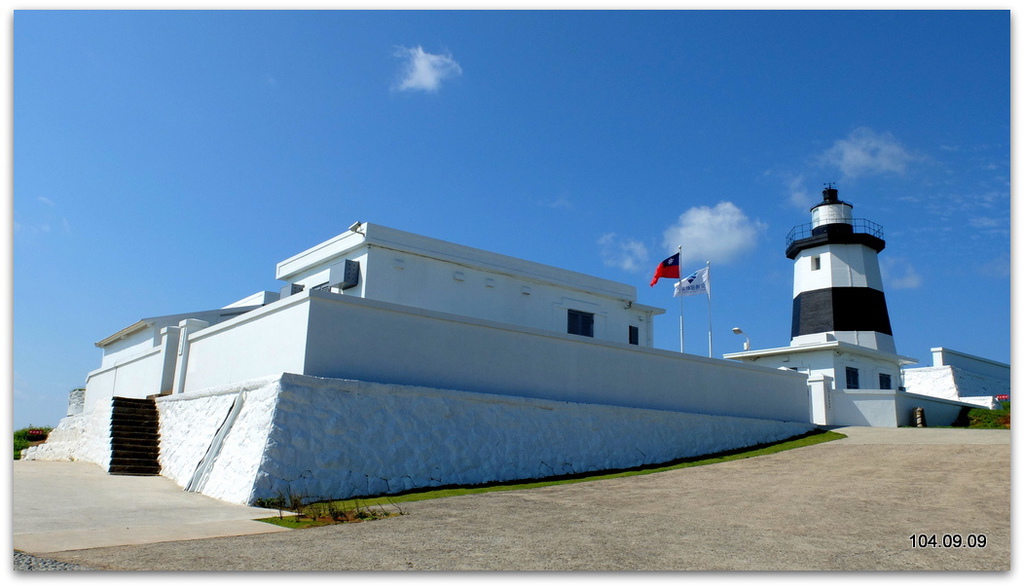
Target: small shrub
23	438
983	418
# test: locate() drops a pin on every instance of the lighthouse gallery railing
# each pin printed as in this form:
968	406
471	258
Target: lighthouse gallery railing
860	225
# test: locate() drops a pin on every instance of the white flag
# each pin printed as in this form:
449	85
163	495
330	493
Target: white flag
695	283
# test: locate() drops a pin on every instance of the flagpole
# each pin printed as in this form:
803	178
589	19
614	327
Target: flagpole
709	308
681	345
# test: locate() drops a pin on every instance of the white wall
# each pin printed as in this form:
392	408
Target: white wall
265	341
334	439
887	408
422	282
131	346
368	340
937	412
831	362
137	377
971	363
413	270
361	339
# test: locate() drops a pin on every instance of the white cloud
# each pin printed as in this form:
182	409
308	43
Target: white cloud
866	152
899	274
623	253
798	195
45	200
424	71
716	234
999	267
560	203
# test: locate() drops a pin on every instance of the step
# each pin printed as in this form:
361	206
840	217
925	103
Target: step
132	428
134	445
135	453
128	434
124	400
135	411
134	470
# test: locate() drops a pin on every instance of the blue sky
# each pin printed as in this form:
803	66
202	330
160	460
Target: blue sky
164	162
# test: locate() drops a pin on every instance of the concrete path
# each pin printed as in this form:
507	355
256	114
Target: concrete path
846	505
77	505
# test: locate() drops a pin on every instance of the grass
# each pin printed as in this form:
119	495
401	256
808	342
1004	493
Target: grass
384	502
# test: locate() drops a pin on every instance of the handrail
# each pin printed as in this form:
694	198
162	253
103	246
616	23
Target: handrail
859	225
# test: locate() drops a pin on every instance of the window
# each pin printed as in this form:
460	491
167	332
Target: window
581	323
884	382
634	335
852	378
816	263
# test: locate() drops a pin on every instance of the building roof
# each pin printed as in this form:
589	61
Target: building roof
221	314
838	346
373	235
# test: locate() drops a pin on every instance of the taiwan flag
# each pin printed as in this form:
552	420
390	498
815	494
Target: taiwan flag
667	269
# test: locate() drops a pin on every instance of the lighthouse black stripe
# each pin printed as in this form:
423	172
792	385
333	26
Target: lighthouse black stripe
840	309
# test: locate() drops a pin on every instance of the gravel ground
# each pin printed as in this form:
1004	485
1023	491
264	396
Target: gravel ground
23	562
836	506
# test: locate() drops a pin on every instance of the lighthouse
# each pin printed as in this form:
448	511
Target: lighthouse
841	336
837	285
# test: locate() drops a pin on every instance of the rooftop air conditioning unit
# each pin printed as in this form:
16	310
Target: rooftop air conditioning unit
344	275
291	289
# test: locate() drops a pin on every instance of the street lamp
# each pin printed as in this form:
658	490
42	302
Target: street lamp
746	344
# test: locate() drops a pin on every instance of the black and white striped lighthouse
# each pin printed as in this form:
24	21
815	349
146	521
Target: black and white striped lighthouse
837	285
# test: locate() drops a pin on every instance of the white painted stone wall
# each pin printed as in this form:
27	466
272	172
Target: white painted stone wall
81	437
325	438
952	383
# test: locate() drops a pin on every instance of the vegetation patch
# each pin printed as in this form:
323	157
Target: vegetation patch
391	504
303	514
29	436
983	418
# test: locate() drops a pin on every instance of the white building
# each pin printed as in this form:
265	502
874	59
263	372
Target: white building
959	376
393	361
374	263
841	335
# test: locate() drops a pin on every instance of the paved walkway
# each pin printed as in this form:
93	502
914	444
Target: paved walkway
59	506
851	504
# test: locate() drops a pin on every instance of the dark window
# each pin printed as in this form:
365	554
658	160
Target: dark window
581	323
852	378
815	263
634	335
885	382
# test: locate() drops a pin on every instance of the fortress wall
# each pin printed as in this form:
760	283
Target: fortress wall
326	438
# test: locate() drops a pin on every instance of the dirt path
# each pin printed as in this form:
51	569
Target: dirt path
845	505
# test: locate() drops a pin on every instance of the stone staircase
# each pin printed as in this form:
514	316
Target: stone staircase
134	437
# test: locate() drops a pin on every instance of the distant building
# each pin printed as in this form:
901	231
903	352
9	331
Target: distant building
958	376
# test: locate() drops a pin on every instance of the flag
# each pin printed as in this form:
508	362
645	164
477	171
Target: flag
667	269
695	283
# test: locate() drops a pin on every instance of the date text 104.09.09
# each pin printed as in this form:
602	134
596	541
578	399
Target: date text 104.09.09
948	540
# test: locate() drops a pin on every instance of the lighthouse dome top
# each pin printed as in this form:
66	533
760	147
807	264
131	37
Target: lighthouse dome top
832	222
831	209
